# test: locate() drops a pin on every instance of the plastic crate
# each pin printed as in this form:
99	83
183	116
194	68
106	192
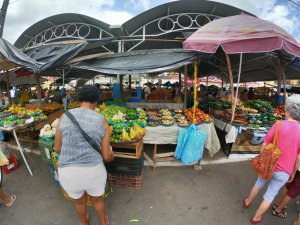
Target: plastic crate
126	166
12	165
125	181
46	148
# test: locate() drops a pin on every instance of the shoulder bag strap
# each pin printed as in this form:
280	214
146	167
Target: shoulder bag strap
84	134
276	137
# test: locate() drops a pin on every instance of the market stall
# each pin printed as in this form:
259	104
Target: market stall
234	37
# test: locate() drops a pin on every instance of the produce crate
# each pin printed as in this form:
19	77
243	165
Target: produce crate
89	202
126	166
46	148
126	181
131	150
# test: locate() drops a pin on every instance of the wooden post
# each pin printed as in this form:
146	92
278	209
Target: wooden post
231	83
180	83
7	87
129	85
185	86
121	87
38	90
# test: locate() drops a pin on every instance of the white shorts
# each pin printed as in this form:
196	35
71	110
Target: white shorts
77	180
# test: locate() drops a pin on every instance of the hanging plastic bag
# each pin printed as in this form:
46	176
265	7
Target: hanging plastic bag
182	139
193	149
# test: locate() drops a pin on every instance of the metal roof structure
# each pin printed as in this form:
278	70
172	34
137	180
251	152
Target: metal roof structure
163	27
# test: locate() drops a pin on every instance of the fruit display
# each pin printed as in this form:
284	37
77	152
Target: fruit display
200	116
111	111
280	112
165	112
177	110
153	123
17	115
52	106
167	122
131	114
73	105
183	123
248	109
260	105
160	94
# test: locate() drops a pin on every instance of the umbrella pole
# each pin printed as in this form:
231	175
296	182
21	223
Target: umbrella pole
38	90
283	79
7	88
231	83
237	88
185	86
195	91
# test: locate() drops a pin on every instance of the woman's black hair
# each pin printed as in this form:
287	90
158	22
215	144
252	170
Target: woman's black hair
89	93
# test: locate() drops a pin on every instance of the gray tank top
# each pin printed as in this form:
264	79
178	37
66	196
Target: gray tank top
76	151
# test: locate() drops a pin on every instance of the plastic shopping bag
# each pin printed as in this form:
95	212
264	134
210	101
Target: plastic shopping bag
182	140
193	149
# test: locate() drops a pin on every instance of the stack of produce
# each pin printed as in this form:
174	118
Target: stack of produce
141	118
154	118
111	111
160	94
280	112
17	115
52	106
73	105
166	117
200	116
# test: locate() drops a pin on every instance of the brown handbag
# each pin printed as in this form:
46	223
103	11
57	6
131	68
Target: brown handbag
265	163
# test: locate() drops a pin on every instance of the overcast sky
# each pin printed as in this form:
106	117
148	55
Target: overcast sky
24	13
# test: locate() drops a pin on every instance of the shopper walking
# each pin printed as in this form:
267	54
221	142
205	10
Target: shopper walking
289	144
289	192
8	200
80	166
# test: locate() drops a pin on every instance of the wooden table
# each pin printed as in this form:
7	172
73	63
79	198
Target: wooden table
161	135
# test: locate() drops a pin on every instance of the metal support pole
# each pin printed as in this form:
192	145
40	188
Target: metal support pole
3	15
7	87
185	86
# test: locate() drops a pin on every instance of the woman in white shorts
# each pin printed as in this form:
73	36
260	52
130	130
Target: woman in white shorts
80	166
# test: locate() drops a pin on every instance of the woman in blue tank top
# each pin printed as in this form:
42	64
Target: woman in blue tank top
80	167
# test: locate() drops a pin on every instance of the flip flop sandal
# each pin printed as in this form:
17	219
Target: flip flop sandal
12	199
252	221
281	214
275	207
245	206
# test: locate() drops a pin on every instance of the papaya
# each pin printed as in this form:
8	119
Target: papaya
139	130
125	136
103	106
132	134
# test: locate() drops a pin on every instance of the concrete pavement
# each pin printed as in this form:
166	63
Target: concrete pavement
170	196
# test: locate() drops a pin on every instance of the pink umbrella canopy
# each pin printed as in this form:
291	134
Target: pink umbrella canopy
242	34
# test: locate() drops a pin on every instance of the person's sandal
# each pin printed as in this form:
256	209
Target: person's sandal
275	207
252	221
12	199
245	206
281	214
